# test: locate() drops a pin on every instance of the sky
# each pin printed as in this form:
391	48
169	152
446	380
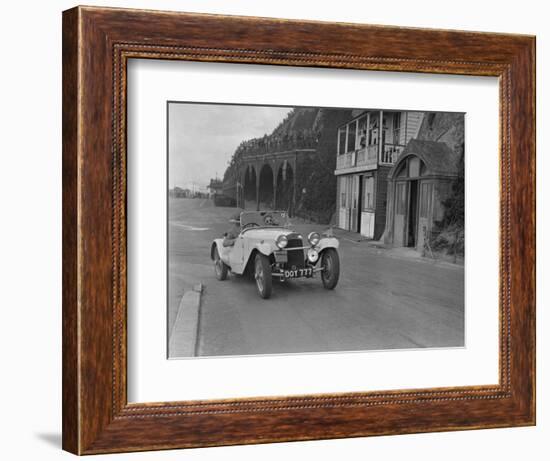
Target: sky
203	137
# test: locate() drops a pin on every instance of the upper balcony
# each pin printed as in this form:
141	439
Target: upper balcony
373	138
369	157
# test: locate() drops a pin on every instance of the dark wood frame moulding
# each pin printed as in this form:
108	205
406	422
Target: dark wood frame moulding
97	43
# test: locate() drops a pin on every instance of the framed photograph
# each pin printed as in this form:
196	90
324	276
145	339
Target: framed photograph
284	230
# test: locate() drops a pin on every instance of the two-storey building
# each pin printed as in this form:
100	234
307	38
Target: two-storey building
368	146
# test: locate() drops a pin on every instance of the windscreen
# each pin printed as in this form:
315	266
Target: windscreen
263	219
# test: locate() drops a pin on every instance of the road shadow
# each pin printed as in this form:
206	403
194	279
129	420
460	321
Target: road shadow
247	285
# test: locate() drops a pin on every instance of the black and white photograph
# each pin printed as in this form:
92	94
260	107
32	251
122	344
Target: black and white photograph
313	229
265	231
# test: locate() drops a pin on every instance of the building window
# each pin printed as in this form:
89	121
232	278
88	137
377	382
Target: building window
363	131
397	128
343	187
373	130
342	140
401	198
368	193
402	169
352	127
414	167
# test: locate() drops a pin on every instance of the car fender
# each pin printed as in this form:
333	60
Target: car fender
216	244
264	248
328	242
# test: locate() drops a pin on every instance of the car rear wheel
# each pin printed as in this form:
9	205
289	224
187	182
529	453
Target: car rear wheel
262	275
330	262
220	268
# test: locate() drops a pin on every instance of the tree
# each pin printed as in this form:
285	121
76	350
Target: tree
451	235
454	205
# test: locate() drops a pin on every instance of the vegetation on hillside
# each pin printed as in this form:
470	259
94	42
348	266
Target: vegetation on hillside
315	180
318	202
449	235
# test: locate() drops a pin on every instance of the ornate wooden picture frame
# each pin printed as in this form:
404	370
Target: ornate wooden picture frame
97	44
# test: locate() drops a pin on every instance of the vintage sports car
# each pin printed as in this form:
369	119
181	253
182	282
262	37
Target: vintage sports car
264	246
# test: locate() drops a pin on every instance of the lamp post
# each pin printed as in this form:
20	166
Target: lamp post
239	186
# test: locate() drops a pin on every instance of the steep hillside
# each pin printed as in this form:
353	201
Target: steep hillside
318	202
315	181
448	127
299	119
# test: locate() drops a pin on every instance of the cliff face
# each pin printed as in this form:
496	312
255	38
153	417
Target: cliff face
317	182
299	119
444	127
449	128
314	128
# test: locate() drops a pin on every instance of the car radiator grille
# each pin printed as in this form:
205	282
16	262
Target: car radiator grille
295	257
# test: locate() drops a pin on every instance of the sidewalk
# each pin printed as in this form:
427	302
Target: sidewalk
396	252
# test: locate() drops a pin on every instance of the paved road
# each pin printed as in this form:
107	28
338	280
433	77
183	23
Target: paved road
381	301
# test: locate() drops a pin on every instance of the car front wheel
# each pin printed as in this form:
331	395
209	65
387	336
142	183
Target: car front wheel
219	266
262	275
330	262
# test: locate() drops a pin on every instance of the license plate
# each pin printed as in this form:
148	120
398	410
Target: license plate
295	273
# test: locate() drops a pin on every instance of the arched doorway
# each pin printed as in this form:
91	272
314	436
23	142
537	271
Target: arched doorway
249	188
419	183
265	191
285	189
408	177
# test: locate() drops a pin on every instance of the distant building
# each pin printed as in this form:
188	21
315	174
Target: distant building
178	192
367	148
215	186
217	194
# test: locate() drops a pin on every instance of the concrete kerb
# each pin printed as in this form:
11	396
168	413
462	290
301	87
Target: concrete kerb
184	335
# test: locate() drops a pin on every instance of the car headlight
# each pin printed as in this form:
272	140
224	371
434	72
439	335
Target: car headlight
312	255
281	241
314	238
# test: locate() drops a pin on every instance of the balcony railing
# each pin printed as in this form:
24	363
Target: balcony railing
368	155
390	153
346	160
274	144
